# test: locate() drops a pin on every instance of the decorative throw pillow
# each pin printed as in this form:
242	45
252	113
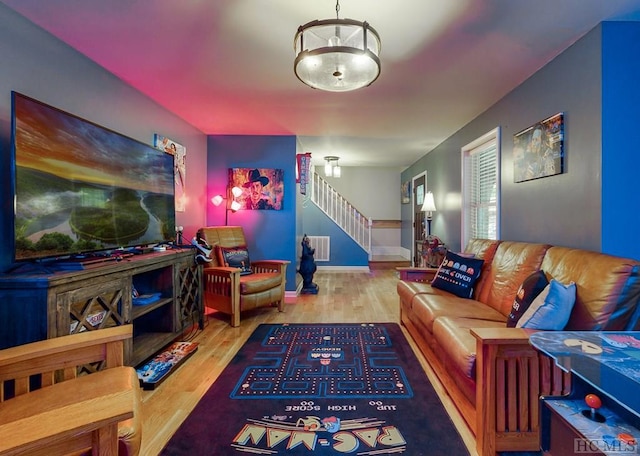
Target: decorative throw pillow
458	274
237	257
551	309
528	291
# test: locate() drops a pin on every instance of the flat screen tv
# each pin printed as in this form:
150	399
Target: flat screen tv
80	188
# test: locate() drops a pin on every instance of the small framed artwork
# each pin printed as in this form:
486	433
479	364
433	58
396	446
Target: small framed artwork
405	192
179	153
262	188
538	151
420	194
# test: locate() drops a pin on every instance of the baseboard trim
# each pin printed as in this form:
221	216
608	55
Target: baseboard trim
345	268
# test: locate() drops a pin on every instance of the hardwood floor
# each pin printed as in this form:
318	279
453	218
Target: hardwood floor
344	297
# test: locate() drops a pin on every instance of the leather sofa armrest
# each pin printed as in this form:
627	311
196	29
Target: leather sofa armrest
502	336
510	377
417	274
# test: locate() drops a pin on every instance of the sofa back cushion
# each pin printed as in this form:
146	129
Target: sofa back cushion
512	263
484	249
607	287
222	236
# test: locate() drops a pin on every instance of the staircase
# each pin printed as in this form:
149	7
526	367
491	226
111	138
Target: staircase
353	222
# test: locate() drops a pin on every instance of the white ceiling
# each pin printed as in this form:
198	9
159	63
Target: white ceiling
226	66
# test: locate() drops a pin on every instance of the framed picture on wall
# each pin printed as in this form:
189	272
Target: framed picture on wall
405	192
262	188
179	153
420	194
538	151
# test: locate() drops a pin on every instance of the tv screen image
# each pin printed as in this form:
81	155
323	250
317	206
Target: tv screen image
82	188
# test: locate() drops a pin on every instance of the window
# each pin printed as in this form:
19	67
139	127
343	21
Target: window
481	188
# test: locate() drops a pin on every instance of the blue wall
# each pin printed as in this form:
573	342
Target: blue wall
271	235
344	251
620	138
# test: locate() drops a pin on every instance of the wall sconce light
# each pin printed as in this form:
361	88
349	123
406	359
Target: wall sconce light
232	204
429	206
331	168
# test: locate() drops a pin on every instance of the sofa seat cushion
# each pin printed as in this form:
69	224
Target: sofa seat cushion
456	344
408	290
259	281
429	307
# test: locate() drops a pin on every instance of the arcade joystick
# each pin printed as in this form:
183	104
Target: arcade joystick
594	402
627	438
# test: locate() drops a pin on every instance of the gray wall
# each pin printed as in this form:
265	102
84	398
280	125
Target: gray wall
561	210
375	191
40	66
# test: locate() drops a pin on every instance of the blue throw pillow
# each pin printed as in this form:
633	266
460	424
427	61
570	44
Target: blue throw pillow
528	291
551	309
458	274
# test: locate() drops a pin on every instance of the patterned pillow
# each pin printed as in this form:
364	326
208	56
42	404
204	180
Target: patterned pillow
528	291
458	274
236	257
552	308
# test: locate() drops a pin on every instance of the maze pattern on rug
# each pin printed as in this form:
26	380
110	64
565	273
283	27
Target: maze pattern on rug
324	361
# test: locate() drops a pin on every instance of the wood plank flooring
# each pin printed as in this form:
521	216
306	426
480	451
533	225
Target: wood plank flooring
344	297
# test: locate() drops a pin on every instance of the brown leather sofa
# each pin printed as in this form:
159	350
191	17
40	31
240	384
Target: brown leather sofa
229	292
491	372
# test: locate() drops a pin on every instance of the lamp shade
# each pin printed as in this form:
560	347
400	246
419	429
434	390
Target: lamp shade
429	204
337	55
217	200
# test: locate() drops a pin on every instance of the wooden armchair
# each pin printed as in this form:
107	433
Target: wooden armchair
226	288
70	395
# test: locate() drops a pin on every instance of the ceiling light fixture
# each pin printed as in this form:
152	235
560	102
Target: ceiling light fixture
331	168
337	55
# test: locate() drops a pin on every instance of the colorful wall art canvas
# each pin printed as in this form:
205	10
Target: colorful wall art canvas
262	188
538	151
179	153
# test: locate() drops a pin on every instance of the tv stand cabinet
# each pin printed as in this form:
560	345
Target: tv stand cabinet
46	305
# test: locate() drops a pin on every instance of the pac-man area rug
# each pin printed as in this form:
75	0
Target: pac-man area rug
320	389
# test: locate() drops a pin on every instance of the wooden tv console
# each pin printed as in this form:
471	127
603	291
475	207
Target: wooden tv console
46	304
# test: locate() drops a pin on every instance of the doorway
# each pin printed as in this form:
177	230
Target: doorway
419	190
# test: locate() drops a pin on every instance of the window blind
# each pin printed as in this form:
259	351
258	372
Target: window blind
480	188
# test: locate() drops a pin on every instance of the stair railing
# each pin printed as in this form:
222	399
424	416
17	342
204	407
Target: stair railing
353	222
